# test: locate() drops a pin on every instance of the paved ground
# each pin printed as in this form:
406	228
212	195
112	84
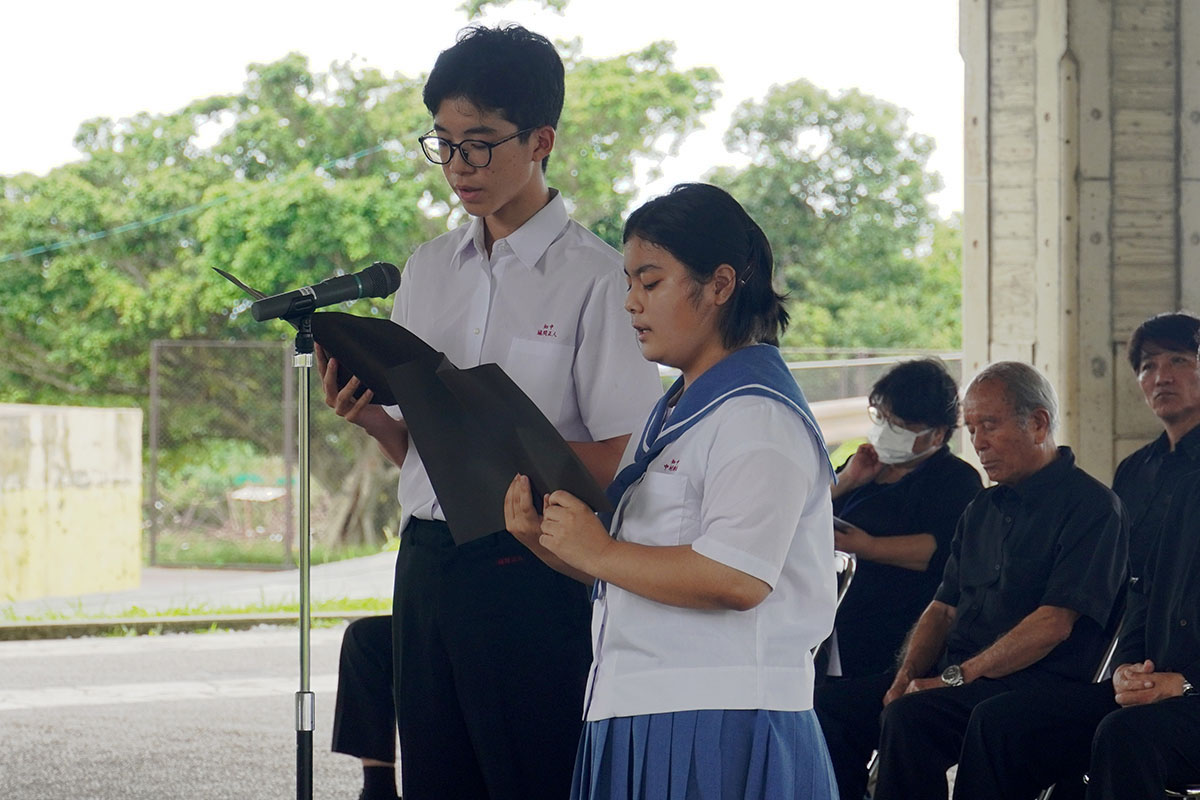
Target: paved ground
177	715
172	716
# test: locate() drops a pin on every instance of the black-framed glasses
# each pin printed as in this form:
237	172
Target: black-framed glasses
474	152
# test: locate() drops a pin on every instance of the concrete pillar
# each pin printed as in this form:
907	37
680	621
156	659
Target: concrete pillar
1082	206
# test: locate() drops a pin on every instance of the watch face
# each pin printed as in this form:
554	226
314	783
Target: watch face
952	675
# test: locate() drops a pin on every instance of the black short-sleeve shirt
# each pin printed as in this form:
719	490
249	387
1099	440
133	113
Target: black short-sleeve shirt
884	601
1163	623
1058	538
1145	481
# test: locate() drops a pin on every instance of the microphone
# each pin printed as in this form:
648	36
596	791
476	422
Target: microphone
378	280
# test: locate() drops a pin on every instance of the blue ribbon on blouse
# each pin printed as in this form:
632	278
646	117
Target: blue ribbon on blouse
758	369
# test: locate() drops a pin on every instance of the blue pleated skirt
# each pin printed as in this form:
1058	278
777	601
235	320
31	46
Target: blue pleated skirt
705	755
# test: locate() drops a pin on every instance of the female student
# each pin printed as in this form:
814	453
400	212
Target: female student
717	578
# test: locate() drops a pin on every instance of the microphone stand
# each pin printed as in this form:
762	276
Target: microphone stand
305	699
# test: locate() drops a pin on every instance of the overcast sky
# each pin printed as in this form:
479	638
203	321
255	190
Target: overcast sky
64	62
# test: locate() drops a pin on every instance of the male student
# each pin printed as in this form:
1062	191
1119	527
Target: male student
490	647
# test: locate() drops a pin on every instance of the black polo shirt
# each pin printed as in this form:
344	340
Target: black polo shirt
1144	481
883	600
1163	623
1058	538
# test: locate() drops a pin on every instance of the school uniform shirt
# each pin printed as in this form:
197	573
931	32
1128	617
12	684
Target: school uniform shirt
548	307
746	486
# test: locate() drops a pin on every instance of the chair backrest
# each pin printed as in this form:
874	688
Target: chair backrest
844	564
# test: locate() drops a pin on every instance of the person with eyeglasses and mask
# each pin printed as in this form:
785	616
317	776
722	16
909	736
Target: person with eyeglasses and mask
487	651
896	502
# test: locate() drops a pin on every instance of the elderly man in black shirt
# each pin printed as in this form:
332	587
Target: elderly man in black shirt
1052	745
1031	584
1142	728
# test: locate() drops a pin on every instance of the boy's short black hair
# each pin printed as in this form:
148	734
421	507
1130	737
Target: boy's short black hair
510	71
920	391
1176	331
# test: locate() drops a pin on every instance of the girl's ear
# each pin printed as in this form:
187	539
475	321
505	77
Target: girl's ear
723	282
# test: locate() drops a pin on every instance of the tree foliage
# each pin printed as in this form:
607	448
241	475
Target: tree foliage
476	8
297	177
841	188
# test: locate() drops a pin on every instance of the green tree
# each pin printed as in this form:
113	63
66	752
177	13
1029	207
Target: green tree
298	176
841	187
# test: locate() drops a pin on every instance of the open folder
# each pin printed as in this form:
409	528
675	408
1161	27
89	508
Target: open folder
473	428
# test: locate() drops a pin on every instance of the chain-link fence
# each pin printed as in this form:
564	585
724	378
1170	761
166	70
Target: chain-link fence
834	374
222	452
222	461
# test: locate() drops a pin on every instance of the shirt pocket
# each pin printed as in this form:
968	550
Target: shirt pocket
543	371
979	570
655	512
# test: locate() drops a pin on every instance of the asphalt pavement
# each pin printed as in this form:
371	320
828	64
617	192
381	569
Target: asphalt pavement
162	717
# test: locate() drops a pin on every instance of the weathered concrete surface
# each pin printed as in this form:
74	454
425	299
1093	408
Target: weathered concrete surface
70	500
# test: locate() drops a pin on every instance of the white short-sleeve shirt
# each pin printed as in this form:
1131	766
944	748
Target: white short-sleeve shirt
745	487
548	307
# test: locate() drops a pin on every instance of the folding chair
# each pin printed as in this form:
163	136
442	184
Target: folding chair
844	564
1182	791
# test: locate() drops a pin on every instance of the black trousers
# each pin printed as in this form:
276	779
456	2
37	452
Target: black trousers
920	736
1023	741
1140	751
491	654
848	710
364	719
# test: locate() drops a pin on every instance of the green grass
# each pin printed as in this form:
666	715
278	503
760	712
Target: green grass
179	550
381	605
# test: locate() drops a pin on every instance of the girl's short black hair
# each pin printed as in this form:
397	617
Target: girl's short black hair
703	227
919	391
1177	331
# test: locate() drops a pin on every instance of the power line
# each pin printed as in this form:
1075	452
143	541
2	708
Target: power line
192	209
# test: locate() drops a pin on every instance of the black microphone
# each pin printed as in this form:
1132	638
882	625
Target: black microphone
378	280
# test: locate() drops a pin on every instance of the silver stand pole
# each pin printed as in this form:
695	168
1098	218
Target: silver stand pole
305	700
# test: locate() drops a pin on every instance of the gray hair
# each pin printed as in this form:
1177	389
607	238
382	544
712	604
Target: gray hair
1026	389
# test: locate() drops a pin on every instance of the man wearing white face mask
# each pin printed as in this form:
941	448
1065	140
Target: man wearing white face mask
898	499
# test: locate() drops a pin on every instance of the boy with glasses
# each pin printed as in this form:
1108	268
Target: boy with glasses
490	648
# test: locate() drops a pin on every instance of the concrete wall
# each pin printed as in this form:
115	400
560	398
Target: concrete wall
70	500
1082	200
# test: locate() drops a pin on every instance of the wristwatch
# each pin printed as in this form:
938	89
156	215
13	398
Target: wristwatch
952	675
1188	689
